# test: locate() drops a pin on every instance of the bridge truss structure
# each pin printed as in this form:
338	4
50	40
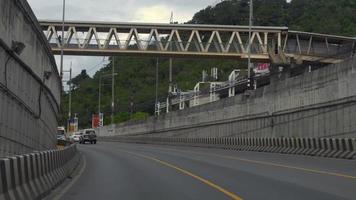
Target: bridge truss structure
270	44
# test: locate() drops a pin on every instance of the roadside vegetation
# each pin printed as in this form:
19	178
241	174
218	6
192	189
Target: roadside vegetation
135	82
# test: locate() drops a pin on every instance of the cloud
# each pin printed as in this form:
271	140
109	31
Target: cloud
158	14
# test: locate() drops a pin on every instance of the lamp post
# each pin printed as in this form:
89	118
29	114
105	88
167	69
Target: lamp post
70	93
99	111
156	101
249	45
112	91
62	41
170	89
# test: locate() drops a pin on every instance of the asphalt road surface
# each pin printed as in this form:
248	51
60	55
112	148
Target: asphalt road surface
150	172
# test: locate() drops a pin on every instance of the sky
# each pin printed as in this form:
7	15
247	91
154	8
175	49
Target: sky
158	11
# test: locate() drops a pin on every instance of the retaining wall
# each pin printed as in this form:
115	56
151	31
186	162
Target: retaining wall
29	102
320	103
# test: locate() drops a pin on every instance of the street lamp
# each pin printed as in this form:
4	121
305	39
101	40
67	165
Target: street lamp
156	101
113	91
62	41
69	95
249	45
70	92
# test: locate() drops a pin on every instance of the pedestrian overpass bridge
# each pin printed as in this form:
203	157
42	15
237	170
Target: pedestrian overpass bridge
270	44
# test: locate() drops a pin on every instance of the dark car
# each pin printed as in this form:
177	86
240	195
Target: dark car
89	136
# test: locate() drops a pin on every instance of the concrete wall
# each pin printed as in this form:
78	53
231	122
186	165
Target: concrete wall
29	103
35	175
321	103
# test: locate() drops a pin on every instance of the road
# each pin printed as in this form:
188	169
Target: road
151	172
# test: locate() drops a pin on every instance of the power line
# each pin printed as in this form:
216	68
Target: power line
97	65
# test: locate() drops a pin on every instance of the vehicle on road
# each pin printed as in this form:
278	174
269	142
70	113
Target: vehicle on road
89	135
61	131
77	137
62	138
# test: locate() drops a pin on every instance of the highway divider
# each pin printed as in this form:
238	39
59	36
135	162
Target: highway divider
344	148
34	175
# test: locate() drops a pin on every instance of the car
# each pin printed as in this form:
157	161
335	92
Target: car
89	135
62	138
77	137
61	134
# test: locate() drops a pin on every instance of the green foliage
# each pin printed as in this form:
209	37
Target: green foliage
135	83
80	78
321	16
140	116
121	117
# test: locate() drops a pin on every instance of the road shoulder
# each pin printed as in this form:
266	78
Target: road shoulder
58	192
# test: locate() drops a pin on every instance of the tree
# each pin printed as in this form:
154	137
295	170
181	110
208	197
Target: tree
78	79
138	74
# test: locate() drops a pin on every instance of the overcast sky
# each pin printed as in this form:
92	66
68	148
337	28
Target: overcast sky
115	11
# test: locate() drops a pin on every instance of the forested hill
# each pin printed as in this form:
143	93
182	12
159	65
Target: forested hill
136	76
321	16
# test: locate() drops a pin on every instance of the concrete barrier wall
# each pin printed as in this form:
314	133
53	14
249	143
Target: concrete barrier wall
32	176
342	148
319	103
29	102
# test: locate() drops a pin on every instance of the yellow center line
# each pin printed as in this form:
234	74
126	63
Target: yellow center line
267	163
186	172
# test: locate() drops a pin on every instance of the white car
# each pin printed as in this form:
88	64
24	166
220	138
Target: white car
77	137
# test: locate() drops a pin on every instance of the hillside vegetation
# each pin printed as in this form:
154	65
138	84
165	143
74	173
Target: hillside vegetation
135	83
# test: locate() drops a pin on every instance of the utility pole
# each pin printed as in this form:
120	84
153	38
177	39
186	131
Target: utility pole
113	90
99	105
62	40
249	46
131	106
156	103
99	95
170	75
70	93
101	76
69	82
170	87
